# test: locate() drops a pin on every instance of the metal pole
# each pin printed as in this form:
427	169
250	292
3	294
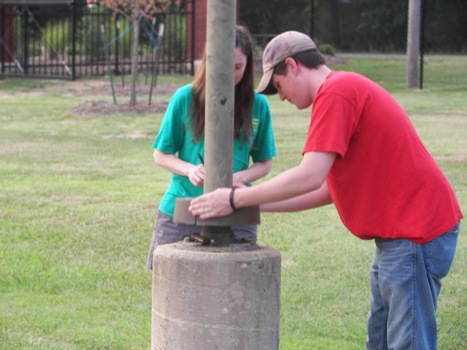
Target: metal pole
220	102
220	94
73	41
413	44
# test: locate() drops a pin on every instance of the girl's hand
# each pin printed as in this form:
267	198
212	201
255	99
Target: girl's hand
196	175
238	180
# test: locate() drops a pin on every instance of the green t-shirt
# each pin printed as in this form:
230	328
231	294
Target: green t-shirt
175	137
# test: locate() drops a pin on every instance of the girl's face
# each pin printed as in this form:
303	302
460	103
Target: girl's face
240	65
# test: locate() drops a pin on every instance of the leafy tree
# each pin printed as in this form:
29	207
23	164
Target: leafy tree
275	16
328	24
384	26
136	10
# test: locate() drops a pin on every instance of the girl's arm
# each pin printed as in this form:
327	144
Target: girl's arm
253	173
175	165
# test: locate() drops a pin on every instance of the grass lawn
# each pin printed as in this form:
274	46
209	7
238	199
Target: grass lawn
78	200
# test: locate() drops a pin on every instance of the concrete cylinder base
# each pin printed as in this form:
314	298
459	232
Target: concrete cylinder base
222	300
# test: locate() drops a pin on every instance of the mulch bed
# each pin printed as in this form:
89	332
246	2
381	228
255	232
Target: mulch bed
156	105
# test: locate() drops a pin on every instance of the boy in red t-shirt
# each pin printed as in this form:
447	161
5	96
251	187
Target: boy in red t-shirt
363	154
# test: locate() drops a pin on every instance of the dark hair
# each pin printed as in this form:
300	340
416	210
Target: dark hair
310	59
244	92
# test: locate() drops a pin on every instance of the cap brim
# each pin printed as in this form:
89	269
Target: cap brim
265	87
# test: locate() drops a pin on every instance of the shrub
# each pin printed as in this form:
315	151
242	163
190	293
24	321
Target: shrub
327	49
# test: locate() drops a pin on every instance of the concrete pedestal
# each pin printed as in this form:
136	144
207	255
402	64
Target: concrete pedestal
222	299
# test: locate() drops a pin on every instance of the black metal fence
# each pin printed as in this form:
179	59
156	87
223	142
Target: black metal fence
72	40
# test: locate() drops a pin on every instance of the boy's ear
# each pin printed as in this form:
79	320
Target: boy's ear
293	65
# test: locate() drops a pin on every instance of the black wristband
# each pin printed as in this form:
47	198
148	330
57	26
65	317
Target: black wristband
231	199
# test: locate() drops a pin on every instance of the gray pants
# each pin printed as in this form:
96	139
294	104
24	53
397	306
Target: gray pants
166	232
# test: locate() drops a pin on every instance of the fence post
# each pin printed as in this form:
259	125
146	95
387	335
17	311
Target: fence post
25	41
193	37
73	42
117	41
2	30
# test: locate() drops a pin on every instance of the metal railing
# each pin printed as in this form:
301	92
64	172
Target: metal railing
84	41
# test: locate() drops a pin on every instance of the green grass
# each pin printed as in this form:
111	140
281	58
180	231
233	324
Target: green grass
77	204
438	73
23	85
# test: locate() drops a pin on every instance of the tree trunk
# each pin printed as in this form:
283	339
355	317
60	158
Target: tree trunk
134	57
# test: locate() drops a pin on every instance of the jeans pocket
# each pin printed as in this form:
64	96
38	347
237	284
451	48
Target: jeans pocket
440	253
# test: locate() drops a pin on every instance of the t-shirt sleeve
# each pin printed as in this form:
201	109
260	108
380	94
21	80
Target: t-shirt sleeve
264	147
171	133
333	123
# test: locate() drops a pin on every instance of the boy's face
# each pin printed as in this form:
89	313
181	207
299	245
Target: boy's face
294	86
289	87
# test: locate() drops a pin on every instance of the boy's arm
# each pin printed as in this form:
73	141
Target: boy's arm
309	176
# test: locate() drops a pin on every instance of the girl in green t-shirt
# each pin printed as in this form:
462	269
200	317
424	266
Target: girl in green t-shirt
179	145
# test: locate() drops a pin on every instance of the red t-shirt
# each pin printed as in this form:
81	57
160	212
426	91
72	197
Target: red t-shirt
384	183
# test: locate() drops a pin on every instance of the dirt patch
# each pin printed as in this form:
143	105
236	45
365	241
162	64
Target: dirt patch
141	90
100	90
106	108
333	60
459	158
122	92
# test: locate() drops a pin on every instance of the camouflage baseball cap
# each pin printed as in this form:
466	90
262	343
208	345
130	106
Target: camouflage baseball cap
277	50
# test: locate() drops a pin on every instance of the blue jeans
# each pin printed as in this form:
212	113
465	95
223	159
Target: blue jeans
405	281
